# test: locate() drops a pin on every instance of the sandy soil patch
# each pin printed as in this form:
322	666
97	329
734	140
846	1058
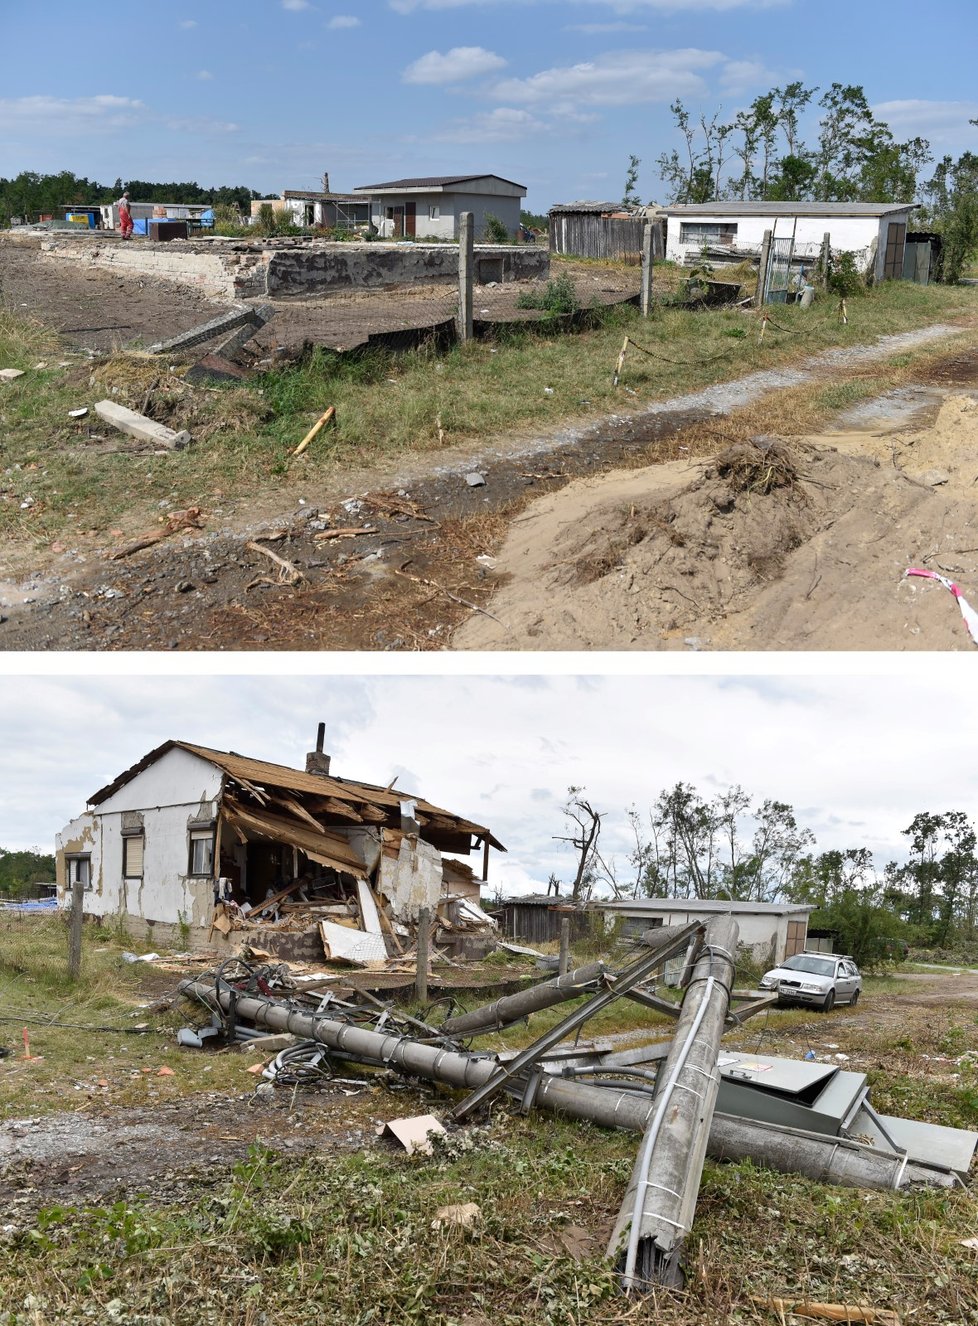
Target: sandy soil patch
771	545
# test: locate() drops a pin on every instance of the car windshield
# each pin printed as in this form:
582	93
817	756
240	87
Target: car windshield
816	966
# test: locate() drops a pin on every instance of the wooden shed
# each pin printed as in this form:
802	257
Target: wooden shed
536	919
602	230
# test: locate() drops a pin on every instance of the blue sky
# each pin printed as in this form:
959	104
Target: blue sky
551	93
857	757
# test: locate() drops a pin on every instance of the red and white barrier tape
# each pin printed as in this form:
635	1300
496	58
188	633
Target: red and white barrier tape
967	611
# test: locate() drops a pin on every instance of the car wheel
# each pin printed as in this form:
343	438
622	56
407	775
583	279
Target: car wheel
828	1003
855	999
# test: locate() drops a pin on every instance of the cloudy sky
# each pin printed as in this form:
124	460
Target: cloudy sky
857	757
554	94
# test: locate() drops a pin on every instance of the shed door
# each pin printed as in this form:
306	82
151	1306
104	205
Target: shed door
896	238
410	218
796	937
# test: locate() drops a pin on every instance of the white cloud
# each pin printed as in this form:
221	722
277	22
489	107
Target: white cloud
187	23
941	121
454	66
93	112
743	75
502	125
204	75
617	78
624	738
343	21
294	6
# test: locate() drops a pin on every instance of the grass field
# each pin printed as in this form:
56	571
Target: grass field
355	1239
60	484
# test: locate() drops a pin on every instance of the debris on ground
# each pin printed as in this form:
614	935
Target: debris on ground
176	521
415	1134
140	427
792	1115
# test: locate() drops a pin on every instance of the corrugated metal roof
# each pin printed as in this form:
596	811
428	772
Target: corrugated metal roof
785	209
588	206
317	195
712	906
294	780
435	182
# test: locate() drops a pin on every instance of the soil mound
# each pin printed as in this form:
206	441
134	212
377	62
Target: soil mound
771	545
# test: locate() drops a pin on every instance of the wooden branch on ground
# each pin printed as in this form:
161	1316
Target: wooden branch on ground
175	522
352	533
320	423
844	1312
432	584
288	574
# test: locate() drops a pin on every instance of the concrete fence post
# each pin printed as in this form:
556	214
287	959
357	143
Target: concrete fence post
564	961
761	291
466	274
648	237
824	258
75	929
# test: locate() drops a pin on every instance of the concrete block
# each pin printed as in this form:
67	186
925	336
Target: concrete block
239	316
137	425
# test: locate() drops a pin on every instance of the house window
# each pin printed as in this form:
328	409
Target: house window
632	927
79	872
133	845
708	232
434	212
202	852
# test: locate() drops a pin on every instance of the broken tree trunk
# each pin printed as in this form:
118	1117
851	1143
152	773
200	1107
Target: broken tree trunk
511	1008
660	1201
826	1159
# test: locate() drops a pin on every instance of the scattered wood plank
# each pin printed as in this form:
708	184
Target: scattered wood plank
274	900
844	1312
175	522
140	427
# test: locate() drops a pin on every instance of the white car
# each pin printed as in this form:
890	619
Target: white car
819	979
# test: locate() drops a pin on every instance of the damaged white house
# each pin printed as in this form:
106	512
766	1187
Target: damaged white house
200	845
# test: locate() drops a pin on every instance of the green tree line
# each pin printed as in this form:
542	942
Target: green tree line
734	847
761	154
29	195
18	870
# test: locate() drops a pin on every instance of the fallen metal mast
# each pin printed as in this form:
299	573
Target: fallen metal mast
827	1159
660	1201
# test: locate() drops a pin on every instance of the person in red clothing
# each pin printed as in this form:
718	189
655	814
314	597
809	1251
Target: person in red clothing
125	216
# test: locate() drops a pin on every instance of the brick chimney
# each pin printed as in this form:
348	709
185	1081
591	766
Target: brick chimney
325	181
316	761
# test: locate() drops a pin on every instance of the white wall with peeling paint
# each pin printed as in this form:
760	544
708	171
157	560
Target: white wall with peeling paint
177	790
412	879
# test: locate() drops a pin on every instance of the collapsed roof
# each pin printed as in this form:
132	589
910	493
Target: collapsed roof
317	801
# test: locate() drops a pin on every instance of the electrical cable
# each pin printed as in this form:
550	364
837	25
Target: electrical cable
82	1026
